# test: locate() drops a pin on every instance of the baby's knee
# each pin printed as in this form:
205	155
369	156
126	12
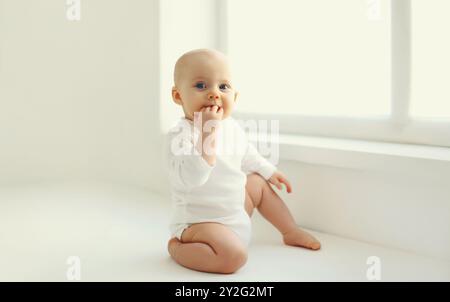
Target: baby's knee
231	260
255	179
172	245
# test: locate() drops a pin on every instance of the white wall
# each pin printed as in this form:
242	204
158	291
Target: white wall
79	100
82	100
395	209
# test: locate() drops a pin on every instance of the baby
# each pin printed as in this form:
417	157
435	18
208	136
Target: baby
214	193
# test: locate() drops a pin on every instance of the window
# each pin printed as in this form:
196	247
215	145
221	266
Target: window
302	49
430	70
350	68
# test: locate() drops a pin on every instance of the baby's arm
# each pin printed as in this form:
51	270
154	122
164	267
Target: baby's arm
207	146
253	162
189	164
186	168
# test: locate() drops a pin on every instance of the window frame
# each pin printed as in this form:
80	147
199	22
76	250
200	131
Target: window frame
398	127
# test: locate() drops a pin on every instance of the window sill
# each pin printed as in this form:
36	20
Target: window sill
365	155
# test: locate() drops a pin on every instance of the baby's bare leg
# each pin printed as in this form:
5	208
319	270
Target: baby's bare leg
261	196
209	247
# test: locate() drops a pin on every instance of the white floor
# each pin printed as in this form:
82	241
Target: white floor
120	234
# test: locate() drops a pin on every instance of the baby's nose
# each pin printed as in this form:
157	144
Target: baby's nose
213	97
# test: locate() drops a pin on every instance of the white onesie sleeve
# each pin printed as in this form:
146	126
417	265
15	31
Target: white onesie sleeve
254	162
186	168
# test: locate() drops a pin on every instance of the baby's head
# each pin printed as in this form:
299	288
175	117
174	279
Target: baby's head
202	78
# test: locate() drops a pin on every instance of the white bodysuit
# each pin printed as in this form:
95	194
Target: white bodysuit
204	193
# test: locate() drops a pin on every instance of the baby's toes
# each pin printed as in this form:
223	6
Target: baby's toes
315	245
301	238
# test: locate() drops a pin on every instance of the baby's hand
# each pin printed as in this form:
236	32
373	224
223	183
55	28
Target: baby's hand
277	179
211	113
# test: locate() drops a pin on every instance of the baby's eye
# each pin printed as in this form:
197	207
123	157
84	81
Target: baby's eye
224	86
200	85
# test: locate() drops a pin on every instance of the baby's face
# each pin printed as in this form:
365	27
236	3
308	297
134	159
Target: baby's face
202	80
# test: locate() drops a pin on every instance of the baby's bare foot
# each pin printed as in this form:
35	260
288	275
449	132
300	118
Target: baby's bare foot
298	237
